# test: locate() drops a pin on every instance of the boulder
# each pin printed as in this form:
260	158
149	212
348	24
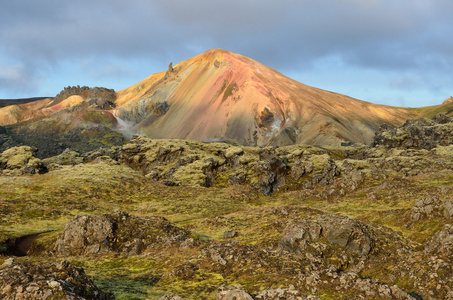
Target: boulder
235	292
427	208
298	236
67	157
22	158
283	294
47	281
229	234
441	243
448	209
116	232
346	232
170	297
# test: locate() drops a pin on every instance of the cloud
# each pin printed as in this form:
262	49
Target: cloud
18	79
382	35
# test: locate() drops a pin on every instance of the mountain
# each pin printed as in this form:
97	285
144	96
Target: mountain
215	96
220	95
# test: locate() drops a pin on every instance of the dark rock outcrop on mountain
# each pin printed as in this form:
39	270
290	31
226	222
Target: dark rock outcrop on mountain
417	134
47	281
102	98
116	232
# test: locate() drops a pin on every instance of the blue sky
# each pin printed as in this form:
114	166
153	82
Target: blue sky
389	52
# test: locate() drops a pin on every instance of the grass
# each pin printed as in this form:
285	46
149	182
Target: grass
38	203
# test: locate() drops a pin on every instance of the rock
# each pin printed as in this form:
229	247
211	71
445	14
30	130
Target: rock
235	292
229	234
448	209
283	294
449	100
67	157
441	243
417	134
8	262
22	158
169	297
47	281
272	172
184	271
301	167
113	152
426	208
116	232
346	232
297	236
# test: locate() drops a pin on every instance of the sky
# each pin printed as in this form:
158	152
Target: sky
383	51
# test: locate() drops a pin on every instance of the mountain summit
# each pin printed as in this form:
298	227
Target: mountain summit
219	95
215	96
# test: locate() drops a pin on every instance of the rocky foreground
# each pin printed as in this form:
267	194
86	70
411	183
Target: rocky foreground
220	221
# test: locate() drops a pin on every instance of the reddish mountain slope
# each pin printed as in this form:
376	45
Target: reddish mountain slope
222	95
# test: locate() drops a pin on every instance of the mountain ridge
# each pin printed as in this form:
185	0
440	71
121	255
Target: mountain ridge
220	95
237	92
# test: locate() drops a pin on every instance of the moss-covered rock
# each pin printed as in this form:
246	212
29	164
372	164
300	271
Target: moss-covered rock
116	232
47	281
22	159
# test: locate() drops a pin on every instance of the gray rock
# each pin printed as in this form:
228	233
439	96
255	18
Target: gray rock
346	232
235	292
417	134
229	234
448	209
426	208
170	297
116	232
441	243
47	281
297	236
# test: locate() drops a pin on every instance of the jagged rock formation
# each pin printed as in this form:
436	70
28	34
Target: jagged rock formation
47	281
449	100
116	232
417	134
193	163
98	96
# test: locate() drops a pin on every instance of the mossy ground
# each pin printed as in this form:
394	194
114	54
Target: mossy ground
44	203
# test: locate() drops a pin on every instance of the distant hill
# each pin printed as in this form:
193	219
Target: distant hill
7	102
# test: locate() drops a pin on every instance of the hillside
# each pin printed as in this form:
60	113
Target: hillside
219	95
215	96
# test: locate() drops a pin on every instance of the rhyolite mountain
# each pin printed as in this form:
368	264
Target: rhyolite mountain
217	95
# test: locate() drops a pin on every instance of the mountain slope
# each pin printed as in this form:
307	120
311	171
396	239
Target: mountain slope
221	95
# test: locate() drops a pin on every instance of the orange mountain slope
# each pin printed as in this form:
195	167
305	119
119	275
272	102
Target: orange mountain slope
219	95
